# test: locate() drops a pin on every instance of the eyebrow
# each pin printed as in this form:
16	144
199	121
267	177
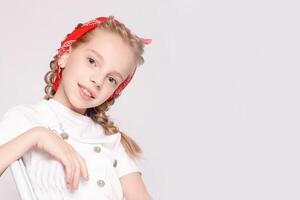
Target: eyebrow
101	58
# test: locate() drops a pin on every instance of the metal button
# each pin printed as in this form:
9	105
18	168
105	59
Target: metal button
100	183
97	149
64	135
115	163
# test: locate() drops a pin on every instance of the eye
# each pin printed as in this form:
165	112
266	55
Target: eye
91	60
111	79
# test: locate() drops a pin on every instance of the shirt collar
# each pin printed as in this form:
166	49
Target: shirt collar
63	113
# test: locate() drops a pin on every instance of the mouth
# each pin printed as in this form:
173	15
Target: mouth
85	92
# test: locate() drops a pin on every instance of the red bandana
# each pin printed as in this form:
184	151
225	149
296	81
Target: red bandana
77	33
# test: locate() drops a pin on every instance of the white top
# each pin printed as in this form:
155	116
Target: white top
47	174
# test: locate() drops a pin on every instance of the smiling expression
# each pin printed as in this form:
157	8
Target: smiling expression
99	65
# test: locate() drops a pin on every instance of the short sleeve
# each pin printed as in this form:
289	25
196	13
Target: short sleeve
126	164
12	124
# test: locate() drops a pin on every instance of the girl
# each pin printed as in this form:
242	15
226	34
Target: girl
70	148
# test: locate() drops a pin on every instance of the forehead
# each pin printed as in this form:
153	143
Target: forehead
113	50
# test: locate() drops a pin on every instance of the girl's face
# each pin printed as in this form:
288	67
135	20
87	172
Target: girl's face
99	65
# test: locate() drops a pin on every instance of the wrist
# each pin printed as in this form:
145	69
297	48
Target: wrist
36	133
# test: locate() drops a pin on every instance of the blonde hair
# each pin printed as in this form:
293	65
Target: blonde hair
98	114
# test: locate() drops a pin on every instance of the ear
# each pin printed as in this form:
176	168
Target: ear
64	58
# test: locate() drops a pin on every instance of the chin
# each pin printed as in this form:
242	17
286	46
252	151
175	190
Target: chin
76	104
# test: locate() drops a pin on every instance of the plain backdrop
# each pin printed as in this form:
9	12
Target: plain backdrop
215	107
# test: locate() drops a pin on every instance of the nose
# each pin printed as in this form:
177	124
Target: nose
96	81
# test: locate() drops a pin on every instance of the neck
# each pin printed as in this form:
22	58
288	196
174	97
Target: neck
63	99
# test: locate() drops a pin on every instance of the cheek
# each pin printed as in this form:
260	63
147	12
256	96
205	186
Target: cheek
73	74
80	69
105	93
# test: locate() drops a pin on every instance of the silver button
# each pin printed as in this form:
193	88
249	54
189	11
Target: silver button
100	183
64	135
115	163
97	149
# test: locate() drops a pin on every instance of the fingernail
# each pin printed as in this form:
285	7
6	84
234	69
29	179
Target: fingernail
68	186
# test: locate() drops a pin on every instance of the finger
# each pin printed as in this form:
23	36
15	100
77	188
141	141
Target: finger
68	170
76	172
83	167
71	166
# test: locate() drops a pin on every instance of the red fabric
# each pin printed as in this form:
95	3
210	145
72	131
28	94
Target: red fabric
77	33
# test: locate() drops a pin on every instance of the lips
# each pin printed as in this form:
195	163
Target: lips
81	86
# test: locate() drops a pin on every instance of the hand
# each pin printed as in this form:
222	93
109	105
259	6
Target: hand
74	164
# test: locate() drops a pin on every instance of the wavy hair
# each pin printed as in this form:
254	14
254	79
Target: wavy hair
99	114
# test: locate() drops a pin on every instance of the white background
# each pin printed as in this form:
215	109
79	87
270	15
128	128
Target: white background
215	107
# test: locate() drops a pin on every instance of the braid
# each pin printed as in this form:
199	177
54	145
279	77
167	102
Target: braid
98	114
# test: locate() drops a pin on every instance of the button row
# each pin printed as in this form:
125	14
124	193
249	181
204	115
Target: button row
97	149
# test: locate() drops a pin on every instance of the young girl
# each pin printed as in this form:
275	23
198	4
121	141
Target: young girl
70	148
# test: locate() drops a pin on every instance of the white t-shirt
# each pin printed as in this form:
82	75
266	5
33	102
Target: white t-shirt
105	156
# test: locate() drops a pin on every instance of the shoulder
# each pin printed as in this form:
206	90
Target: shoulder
16	120
125	163
26	111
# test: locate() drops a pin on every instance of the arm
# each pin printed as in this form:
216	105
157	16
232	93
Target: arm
133	187
15	148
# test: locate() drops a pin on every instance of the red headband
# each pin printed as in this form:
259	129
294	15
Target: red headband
77	33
